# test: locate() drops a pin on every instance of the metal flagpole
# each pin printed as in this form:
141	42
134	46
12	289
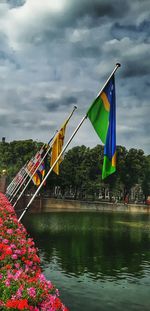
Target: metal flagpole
65	147
20	195
10	185
14	181
26	175
19	186
23	181
36	168
51	141
22	177
13	186
43	181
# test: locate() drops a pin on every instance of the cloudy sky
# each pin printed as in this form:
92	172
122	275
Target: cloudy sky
57	54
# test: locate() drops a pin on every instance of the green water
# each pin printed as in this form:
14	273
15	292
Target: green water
98	261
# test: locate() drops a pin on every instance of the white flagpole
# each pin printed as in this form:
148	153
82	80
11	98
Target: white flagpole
14	182
43	181
19	186
20	195
65	147
9	186
41	160
26	175
13	185
23	176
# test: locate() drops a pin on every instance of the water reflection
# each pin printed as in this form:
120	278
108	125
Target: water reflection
101	245
99	261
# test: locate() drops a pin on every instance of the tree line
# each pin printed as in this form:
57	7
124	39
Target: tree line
80	171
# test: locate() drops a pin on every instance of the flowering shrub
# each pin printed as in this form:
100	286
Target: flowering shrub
22	284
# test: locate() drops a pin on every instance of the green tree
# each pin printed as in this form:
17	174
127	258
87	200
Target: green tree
15	154
80	171
146	178
74	171
132	171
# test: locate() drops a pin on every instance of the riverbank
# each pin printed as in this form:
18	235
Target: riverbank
42	204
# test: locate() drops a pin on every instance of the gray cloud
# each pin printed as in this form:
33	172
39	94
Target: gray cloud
54	104
118	30
15	3
135	68
61	55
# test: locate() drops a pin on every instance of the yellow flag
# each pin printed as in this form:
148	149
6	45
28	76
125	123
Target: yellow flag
57	148
36	179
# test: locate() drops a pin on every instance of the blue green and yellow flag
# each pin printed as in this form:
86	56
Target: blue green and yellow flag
102	115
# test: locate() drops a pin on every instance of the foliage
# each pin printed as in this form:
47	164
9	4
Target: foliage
80	171
132	170
15	154
146	177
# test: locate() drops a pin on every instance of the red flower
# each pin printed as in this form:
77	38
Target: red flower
36	258
18	304
11	303
57	303
8	251
8	266
23	304
25	273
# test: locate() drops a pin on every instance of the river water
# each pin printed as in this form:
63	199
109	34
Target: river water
98	261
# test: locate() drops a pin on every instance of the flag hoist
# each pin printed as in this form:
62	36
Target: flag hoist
103	118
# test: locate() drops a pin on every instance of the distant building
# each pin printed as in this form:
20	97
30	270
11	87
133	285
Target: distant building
3	139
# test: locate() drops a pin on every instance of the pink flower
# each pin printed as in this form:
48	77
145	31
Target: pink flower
5	241
42	277
32	292
17	265
12	245
19	293
17	275
14	256
7	282
22	280
9	231
17	251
